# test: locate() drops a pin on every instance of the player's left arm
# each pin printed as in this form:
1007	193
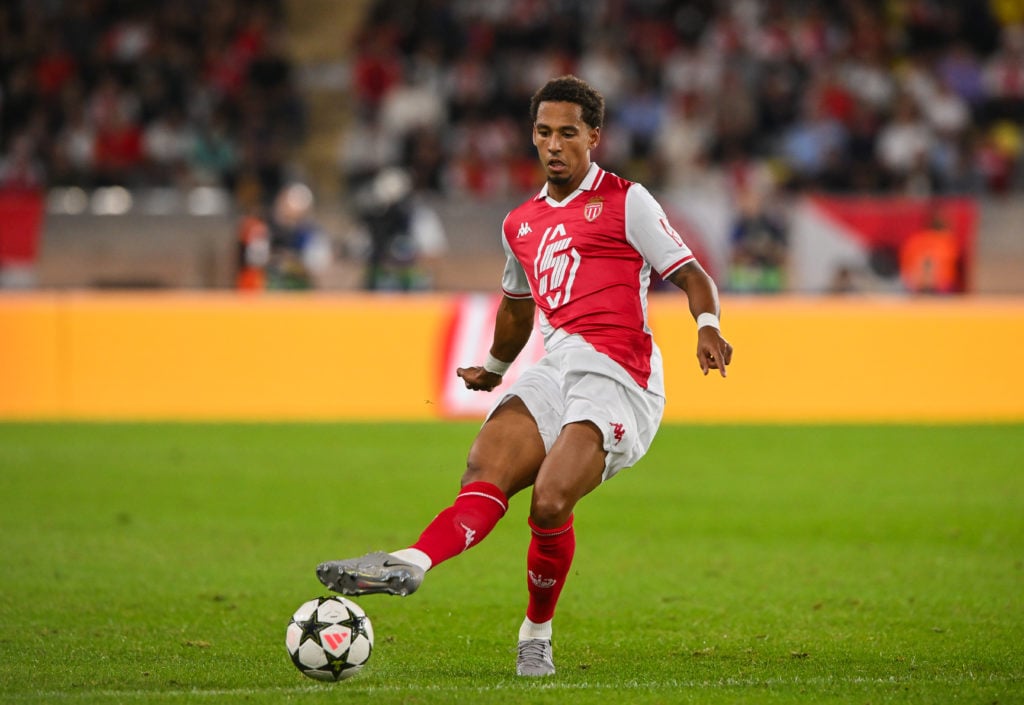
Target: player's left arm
713	351
648	230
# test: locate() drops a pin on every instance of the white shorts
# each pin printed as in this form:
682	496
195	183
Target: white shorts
577	383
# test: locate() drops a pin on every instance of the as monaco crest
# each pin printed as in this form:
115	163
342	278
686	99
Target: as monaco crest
593	208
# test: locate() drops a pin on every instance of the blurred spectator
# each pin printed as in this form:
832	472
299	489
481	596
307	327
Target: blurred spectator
687	70
365	149
870	80
117	155
605	64
757	261
930	260
409	106
858	170
214	158
997	156
300	252
640	115
1003	77
74	151
403	239
960	69
681	143
904	144
254	251
20	168
810	143
378	65
168	145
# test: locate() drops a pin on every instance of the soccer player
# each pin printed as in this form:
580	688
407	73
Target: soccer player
582	252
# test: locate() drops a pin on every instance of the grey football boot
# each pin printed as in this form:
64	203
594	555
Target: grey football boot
371	574
534	658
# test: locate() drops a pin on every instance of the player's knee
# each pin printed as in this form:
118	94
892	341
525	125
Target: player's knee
549	510
474	472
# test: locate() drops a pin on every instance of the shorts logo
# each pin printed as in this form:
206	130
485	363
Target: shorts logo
540	581
619	431
593	208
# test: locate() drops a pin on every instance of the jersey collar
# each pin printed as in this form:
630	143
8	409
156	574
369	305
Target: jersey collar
586	185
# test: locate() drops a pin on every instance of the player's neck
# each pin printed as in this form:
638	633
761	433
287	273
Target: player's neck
560	192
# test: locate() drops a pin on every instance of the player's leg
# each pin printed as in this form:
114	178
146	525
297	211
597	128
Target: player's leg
607	425
573	468
504	459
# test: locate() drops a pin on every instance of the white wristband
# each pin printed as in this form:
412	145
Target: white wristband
498	367
708	319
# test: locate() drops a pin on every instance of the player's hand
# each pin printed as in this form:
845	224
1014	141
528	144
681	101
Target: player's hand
713	351
478	379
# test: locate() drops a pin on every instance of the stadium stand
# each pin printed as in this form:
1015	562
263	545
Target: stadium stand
912	97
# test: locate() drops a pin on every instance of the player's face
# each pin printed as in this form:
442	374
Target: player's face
563	143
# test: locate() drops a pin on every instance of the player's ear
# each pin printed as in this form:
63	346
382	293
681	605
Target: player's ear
595	138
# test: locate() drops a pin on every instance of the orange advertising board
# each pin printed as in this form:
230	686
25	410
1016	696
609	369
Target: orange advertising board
352	357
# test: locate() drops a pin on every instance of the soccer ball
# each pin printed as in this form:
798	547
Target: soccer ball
329	638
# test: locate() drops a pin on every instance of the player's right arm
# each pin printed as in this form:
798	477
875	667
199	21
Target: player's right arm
513	325
713	351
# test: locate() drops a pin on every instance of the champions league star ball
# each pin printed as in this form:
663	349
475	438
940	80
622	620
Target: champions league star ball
329	638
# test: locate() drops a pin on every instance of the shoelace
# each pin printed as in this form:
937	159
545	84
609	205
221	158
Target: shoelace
534	651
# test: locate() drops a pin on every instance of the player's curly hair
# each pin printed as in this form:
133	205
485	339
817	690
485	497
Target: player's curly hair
571	89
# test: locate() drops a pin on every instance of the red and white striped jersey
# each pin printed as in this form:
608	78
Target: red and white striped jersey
587	262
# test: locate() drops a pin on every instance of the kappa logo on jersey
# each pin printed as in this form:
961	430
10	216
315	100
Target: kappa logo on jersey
524	229
619	431
540	581
593	208
555	266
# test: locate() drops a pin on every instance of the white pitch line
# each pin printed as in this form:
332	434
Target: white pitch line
352	688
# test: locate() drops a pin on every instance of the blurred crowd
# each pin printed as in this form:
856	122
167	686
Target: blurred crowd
147	94
851	96
917	96
753	98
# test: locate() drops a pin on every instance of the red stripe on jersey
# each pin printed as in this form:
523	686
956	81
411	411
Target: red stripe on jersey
675	266
509	295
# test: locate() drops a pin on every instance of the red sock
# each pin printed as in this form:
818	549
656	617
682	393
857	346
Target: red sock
547	566
463	525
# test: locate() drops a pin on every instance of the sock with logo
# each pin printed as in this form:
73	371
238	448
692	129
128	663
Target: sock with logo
547	566
476	510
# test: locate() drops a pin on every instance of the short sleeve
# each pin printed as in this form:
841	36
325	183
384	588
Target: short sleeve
648	230
514	282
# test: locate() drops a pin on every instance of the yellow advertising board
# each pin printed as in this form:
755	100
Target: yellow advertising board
224	356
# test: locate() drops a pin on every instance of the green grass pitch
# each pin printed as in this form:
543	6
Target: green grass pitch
763	564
